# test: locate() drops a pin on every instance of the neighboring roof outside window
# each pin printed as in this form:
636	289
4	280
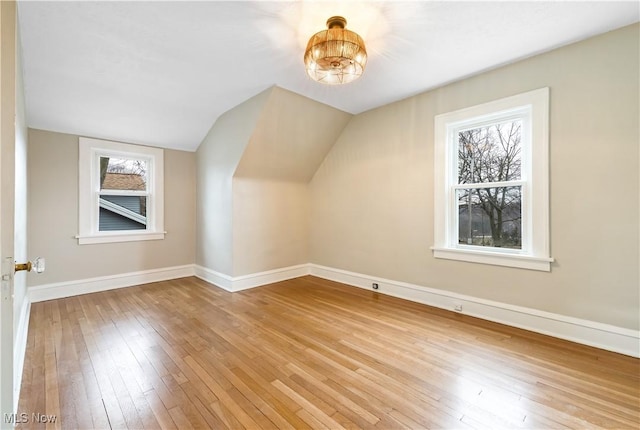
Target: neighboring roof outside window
112	221
122	212
124	181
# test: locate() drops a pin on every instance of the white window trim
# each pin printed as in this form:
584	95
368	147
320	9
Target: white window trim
535	174
90	151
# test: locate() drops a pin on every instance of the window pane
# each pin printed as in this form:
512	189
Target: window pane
123	174
490	153
122	213
490	217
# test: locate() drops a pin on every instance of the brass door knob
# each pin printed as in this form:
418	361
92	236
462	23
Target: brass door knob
37	265
24	266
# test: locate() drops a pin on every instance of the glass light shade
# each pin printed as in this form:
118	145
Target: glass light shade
336	55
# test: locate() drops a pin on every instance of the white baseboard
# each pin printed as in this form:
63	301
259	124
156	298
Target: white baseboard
604	336
270	276
61	290
216	278
239	283
20	349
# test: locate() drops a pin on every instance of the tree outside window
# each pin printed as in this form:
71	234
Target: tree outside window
490	215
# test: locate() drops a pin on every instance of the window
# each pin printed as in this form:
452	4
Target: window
120	192
492	183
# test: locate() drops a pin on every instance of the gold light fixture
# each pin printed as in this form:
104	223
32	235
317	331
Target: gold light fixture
336	55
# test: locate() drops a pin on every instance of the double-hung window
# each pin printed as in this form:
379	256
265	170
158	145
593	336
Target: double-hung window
491	183
120	192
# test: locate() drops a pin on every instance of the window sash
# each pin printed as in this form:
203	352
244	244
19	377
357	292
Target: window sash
148	192
455	223
521	113
123	193
135	216
500	184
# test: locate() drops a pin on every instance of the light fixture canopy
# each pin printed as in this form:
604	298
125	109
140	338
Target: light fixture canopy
336	55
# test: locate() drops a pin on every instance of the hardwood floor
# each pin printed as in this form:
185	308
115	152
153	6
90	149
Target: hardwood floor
306	353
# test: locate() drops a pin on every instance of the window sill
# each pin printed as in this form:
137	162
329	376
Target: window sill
495	258
119	237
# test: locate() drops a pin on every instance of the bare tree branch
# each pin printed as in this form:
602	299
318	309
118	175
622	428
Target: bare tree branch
492	154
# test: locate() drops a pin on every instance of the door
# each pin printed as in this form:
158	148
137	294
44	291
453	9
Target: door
7	206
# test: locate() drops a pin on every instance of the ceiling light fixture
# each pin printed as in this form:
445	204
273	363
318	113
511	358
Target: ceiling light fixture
336	55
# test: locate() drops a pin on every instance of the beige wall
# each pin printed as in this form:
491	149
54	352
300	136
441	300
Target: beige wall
53	216
291	138
372	198
217	158
270	224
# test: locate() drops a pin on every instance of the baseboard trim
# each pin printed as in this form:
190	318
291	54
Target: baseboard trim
20	350
599	335
216	278
61	290
269	277
253	280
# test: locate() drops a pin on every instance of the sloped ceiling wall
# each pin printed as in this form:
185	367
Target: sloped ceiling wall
291	138
270	185
254	167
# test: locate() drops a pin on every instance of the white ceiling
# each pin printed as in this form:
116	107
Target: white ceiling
161	73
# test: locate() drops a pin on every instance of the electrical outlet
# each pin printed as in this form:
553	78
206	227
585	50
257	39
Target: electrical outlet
457	307
374	285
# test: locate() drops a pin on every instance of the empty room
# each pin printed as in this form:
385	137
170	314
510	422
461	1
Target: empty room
320	215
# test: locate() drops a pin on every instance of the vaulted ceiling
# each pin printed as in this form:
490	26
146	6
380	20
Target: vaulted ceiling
161	73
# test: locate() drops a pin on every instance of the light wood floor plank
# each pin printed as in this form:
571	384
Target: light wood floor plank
306	353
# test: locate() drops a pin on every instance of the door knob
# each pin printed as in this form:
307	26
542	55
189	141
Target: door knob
37	265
